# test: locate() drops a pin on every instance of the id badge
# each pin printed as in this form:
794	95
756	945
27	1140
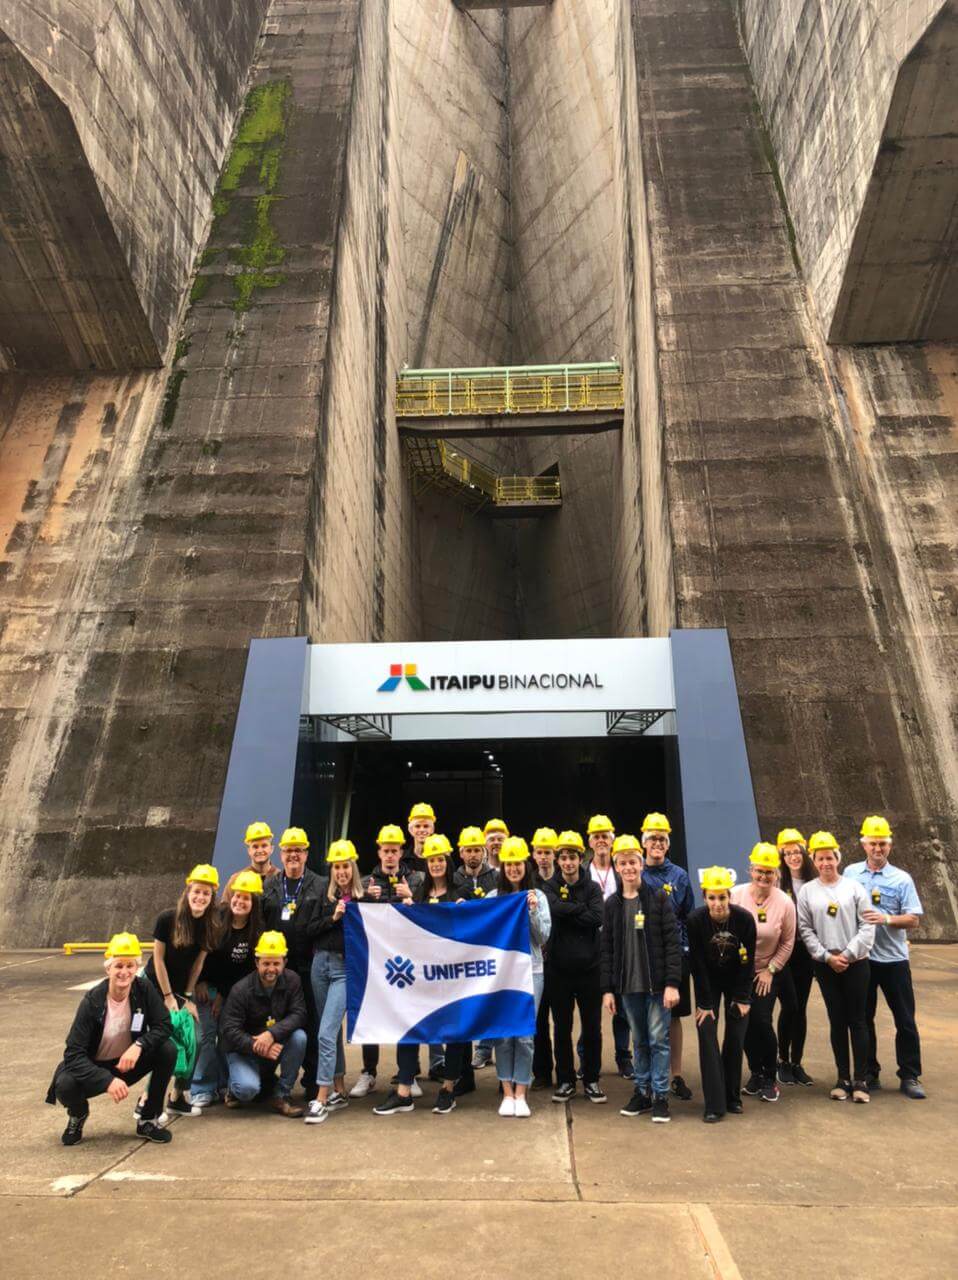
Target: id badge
287	913
640	919
136	1022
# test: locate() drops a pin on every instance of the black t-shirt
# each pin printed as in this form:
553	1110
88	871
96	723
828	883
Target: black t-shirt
178	960
232	960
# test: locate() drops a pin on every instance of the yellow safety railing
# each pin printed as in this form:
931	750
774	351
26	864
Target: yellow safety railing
81	948
528	489
569	388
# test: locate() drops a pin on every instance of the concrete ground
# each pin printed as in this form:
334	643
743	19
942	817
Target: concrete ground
806	1188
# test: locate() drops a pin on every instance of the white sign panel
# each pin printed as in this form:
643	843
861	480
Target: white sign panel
490	676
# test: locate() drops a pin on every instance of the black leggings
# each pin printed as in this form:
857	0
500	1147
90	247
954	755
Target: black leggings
761	1047
793	994
407	1056
846	996
721	1063
73	1093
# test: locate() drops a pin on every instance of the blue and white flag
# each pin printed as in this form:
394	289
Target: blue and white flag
439	974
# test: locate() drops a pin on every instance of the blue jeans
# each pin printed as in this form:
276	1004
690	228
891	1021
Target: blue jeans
650	1022
251	1075
209	1072
514	1055
328	976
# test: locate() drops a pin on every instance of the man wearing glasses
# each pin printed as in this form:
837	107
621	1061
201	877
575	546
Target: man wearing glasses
661	873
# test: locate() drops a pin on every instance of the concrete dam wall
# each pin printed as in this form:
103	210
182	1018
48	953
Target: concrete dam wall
367	185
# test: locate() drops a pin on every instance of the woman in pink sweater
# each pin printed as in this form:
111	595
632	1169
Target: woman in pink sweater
774	914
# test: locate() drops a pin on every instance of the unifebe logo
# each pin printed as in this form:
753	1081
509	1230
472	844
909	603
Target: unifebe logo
399	671
399	972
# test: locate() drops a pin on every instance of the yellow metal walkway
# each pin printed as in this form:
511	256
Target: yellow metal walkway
438	465
516	390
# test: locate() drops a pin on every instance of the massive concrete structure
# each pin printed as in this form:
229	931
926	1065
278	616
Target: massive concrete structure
416	181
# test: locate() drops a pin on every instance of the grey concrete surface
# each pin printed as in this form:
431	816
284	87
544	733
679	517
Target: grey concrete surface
803	1188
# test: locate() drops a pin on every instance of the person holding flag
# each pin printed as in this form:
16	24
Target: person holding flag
514	1055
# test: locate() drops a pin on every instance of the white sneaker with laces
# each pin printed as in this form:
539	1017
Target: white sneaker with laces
316	1113
507	1107
522	1108
365	1084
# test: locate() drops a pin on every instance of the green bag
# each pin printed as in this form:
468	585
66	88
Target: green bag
184	1037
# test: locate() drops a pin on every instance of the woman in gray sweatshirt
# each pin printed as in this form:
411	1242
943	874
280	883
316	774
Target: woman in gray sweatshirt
831	923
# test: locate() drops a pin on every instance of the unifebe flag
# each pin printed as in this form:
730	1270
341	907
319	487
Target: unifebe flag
439	974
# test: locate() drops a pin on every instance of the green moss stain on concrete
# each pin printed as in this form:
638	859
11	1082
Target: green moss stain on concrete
254	161
174	384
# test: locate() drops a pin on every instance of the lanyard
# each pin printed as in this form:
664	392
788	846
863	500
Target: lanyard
603	879
287	896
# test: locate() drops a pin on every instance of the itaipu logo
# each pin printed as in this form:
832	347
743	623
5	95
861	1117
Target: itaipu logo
399	973
409	671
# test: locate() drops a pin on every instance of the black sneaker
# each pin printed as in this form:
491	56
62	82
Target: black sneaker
873	1084
681	1090
594	1092
734	1108
182	1107
73	1133
564	1093
911	1088
445	1103
625	1069
152	1132
465	1084
801	1076
711	1117
753	1085
769	1091
579	1074
393	1104
540	1083
785	1073
639	1104
660	1110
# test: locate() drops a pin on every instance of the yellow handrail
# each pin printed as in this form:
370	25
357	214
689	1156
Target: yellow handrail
79	948
559	389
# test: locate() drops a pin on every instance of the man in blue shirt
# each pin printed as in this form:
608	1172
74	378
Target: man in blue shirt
895	908
660	873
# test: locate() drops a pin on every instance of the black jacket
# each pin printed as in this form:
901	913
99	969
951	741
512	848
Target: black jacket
661	935
322	931
413	879
250	1005
728	974
451	894
576	922
466	886
294	930
84	1036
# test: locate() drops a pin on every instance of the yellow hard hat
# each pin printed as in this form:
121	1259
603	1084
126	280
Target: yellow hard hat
544	838
422	810
789	835
471	838
514	849
570	840
271	943
821	840
765	855
626	844
656	822
391	834
203	873
342	851
495	824
247	882
257	831
294	838
436	846
125	946
598	823
714	879
876	828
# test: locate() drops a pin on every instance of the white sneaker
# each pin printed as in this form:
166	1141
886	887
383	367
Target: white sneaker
336	1100
316	1113
415	1089
522	1108
365	1084
507	1107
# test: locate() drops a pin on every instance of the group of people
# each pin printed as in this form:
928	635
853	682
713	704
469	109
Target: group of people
260	975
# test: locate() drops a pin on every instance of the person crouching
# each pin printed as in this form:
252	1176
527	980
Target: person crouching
121	1033
262	1026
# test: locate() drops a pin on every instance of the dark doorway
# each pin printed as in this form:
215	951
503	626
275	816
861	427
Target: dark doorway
555	782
